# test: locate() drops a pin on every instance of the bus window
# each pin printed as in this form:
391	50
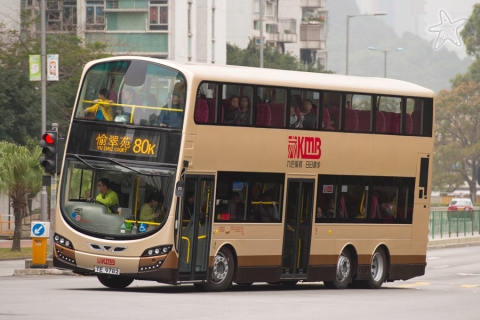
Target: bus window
142	197
207	94
353	201
232	112
304	110
141	94
390	111
415	116
361	106
230	205
332	102
270	107
326	209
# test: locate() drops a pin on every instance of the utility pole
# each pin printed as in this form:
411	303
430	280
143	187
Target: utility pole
261	33
43	67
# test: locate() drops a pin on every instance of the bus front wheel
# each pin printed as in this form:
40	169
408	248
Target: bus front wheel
222	271
114	282
343	274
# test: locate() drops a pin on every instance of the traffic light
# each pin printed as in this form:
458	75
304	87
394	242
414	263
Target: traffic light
49	149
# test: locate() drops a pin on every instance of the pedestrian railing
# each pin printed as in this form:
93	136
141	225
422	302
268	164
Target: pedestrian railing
448	224
7	225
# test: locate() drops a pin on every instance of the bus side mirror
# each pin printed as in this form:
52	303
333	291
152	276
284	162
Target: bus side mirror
180	188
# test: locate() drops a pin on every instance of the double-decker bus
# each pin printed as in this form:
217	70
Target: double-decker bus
213	175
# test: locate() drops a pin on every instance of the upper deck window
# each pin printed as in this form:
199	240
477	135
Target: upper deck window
133	92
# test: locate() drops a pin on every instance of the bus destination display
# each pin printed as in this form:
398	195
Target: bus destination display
127	143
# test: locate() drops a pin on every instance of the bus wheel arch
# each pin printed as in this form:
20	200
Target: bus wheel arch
222	270
345	269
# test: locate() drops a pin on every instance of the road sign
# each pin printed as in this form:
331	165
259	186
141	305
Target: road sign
40	229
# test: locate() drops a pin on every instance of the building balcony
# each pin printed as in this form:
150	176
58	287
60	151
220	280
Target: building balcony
312	36
282	30
313	4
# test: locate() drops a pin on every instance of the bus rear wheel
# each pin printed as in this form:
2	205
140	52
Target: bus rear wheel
114	282
222	271
378	270
343	275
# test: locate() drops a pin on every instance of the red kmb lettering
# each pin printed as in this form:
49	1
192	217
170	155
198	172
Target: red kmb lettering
304	147
110	262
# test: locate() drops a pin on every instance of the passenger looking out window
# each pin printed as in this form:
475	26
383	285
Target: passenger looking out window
310	119
174	117
243	116
296	117
232	111
102	108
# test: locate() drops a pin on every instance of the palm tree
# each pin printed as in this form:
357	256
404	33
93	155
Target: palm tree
20	176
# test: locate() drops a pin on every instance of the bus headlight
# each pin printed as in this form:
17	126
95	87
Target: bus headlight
62	241
156	251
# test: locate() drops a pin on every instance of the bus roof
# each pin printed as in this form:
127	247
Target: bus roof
287	78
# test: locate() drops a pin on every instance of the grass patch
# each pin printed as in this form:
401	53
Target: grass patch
26	253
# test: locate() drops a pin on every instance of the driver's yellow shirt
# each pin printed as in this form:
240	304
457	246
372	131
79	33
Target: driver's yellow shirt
108	199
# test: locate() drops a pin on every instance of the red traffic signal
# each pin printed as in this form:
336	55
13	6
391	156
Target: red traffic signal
49	138
49	149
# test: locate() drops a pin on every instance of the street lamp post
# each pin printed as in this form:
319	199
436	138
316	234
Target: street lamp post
348	31
385	57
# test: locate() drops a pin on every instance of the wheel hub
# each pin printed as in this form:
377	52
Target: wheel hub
343	268
220	268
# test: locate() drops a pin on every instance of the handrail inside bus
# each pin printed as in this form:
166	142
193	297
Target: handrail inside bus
134	106
188	247
145	222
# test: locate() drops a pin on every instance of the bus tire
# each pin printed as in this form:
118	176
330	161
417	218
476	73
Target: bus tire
343	274
378	270
222	271
114	282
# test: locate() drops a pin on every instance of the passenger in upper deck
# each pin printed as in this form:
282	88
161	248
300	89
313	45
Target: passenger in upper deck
232	111
243	117
174	118
310	120
102	108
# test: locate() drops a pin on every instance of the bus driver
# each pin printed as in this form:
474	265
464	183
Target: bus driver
107	196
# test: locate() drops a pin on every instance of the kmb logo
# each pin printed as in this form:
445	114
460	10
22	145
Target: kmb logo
304	147
110	262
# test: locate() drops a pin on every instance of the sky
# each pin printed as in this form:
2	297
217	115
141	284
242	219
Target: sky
428	14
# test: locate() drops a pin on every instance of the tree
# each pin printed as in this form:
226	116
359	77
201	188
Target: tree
457	138
23	96
470	33
20	176
272	58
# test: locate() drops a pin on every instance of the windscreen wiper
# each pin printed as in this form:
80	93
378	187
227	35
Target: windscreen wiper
85	162
122	165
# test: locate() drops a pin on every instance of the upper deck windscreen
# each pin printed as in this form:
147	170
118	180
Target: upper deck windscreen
133	92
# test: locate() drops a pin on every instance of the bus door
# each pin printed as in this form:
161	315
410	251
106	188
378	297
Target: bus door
298	225
195	229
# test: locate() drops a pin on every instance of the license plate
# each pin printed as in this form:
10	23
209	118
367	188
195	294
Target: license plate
107	270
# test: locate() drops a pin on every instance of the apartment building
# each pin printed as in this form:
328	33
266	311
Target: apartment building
296	26
182	30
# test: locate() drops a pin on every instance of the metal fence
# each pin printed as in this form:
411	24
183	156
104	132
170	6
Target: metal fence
449	224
